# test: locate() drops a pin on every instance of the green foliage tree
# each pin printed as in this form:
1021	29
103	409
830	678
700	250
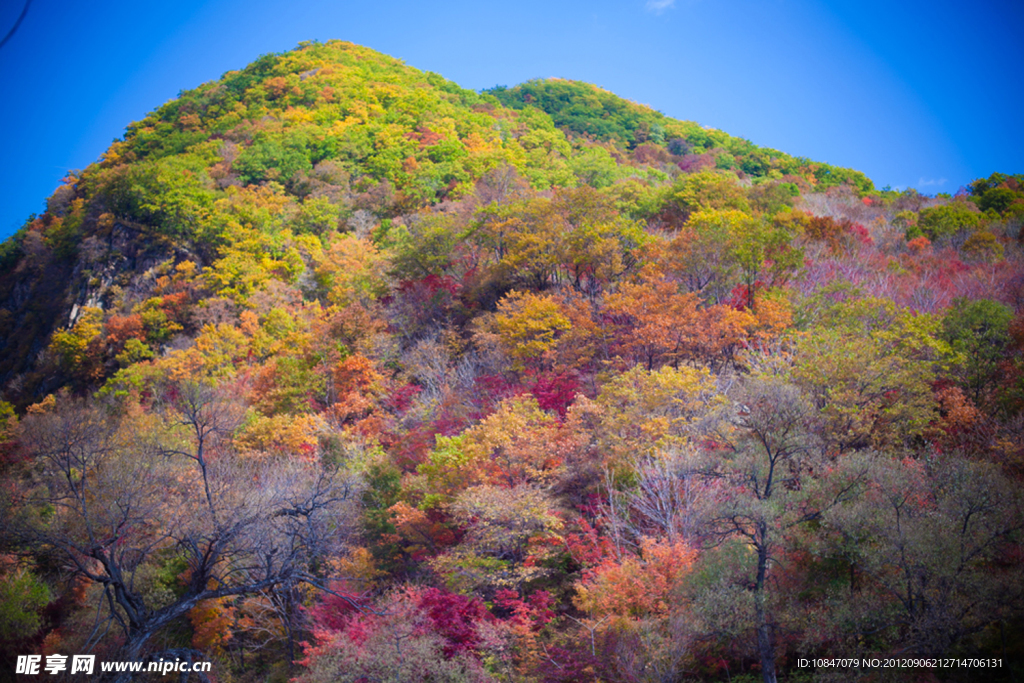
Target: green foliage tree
998	199
170	195
978	333
764	253
317	216
273	158
769	453
427	246
22	597
923	540
718	247
943	221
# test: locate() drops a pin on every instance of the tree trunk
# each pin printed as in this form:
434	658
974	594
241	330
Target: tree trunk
764	637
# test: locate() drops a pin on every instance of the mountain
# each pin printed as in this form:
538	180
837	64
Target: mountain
335	134
334	370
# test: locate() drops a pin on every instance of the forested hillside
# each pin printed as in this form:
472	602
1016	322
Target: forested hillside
332	370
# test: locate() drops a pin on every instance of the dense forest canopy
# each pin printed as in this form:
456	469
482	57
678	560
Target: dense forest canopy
332	370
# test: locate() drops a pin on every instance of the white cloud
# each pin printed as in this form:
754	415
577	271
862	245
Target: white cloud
659	6
928	182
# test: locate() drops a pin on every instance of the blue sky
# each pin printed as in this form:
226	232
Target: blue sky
915	94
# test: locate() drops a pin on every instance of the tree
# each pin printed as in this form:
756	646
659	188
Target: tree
523	237
518	444
410	634
979	332
934	544
718	247
427	246
699	254
169	195
274	157
350	270
764	255
769	471
703	191
867	366
997	199
507	530
637	596
662	322
597	245
642	411
23	597
114	495
78	348
664	325
528	327
576	238
945	221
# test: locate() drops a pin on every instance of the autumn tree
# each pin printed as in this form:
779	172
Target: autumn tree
351	270
517	444
527	327
705	190
78	349
409	633
577	238
662	324
635	596
867	366
642	410
522	238
508	533
699	254
598	246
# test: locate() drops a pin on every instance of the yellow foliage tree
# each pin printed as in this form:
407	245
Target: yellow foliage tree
517	444
75	348
643	410
527	327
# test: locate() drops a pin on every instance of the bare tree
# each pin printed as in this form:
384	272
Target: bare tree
111	494
665	500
